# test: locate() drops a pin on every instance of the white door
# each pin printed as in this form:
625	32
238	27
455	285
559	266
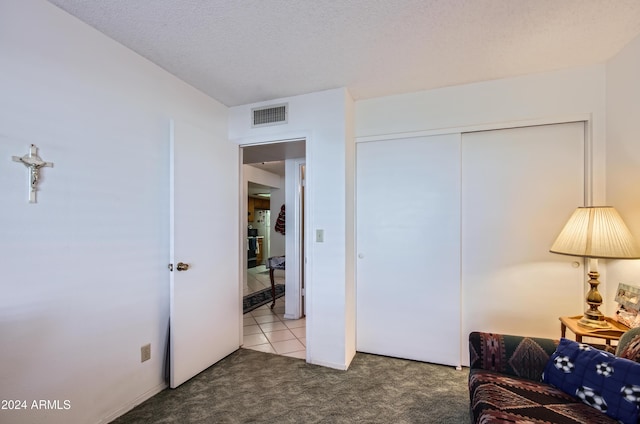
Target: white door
205	298
408	243
519	186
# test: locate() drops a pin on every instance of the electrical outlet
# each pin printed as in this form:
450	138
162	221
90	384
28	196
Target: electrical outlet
145	353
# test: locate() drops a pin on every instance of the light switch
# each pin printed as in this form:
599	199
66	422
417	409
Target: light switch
319	236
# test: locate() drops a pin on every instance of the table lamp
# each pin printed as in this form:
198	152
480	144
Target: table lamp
595	232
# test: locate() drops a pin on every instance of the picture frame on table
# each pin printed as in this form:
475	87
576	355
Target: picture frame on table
628	296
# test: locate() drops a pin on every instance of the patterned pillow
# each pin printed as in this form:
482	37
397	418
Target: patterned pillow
609	384
629	345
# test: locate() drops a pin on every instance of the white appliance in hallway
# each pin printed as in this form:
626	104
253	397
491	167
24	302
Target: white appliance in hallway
262	224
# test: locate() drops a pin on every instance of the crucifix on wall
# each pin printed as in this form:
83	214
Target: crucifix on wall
32	161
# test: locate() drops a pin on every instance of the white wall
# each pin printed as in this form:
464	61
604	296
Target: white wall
566	93
260	176
84	279
320	118
623	157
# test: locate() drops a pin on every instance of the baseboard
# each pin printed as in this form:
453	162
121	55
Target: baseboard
130	405
341	367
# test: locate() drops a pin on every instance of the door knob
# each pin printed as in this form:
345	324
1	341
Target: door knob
182	266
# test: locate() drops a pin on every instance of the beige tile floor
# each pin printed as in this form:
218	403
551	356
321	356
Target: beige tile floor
258	279
267	330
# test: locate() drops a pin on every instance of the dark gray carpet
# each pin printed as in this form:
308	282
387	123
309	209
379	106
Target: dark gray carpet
255	387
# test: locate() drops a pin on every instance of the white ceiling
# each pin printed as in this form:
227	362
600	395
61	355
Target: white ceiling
245	51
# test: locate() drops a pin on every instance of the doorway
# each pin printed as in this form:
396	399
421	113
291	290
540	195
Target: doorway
272	184
262	241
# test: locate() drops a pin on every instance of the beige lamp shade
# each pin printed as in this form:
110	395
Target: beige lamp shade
596	232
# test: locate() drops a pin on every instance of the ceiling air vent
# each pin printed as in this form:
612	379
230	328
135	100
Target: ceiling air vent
270	115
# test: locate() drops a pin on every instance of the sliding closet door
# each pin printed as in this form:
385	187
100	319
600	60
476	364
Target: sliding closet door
408	243
519	186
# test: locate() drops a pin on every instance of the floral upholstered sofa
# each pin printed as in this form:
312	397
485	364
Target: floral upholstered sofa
530	380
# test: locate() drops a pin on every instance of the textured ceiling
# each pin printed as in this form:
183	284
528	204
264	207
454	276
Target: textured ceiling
245	51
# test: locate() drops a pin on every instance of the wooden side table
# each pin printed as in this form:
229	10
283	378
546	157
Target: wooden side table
608	334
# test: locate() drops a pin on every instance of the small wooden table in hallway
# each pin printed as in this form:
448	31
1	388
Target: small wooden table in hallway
273	263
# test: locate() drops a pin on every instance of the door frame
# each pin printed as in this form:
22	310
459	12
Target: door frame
295	249
297	237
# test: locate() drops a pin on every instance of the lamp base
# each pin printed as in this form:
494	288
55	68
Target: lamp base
594	324
593	318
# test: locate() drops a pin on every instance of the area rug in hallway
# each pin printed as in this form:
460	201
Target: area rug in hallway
259	298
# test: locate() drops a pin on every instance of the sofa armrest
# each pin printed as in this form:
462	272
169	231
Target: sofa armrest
518	356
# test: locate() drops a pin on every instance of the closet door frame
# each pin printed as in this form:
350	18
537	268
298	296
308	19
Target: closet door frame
591	190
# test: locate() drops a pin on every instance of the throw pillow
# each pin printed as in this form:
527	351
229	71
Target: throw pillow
608	384
629	345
